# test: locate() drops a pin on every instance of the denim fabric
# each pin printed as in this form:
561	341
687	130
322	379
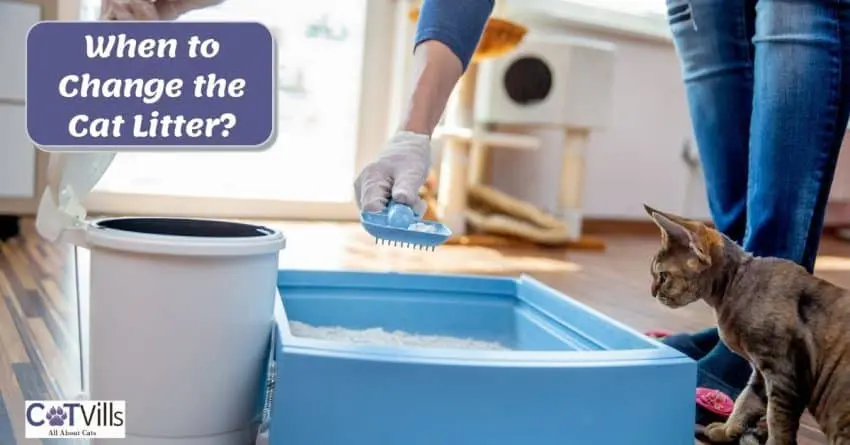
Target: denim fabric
457	24
768	85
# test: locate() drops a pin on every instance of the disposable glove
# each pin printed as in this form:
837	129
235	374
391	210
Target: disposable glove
398	172
150	9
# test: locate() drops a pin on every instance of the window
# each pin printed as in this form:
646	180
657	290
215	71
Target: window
635	7
335	62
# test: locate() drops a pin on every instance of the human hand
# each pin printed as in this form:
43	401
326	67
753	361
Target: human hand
150	9
399	172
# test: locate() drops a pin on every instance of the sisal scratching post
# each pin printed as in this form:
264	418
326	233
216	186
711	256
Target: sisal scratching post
571	194
477	163
454	165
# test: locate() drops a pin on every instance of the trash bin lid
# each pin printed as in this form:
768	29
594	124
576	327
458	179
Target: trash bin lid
70	178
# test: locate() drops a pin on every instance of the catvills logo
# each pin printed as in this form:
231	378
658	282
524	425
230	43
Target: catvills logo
102	419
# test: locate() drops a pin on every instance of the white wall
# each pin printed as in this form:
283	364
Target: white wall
637	159
17	153
838	208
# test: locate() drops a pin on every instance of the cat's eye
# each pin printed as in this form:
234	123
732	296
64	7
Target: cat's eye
662	277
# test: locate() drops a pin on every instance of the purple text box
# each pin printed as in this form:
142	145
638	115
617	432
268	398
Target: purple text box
109	86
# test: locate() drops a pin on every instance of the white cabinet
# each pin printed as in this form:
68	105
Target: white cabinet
16	18
17	153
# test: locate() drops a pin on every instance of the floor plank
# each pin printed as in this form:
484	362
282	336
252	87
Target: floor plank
6	435
39	356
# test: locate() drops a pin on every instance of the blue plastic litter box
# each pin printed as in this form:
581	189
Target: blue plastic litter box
572	376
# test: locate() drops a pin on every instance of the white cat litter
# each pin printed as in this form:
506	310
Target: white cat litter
422	227
378	336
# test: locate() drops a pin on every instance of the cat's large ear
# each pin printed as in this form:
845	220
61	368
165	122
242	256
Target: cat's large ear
681	232
672	232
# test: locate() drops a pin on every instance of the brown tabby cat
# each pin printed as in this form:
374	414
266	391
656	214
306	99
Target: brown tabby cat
794	328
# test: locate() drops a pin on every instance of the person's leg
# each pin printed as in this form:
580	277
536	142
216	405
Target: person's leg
802	89
695	345
713	41
801	96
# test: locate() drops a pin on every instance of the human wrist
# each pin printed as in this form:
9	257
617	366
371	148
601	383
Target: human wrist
408	138
416	125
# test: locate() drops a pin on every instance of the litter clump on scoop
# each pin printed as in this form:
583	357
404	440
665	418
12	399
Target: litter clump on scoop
422	227
378	336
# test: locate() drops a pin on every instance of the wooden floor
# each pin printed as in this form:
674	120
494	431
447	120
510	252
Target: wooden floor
39	357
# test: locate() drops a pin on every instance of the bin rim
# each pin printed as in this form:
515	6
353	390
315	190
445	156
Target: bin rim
62	216
268	241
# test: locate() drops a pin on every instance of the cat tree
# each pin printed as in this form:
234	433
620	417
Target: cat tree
463	201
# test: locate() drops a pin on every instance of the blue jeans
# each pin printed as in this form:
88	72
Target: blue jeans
768	88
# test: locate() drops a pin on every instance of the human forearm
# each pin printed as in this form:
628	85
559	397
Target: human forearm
171	9
150	9
446	37
435	72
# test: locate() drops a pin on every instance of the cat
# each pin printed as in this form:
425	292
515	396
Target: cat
793	328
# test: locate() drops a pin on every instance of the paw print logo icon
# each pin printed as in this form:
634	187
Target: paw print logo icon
56	416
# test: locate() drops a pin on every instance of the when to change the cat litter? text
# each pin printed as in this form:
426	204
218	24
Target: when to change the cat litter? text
159	84
149	91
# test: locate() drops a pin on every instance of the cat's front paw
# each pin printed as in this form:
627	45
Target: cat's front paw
718	433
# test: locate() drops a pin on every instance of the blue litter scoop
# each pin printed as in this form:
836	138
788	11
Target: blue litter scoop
398	225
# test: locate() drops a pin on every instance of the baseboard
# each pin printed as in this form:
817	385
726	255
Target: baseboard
604	226
837	215
598	226
836	228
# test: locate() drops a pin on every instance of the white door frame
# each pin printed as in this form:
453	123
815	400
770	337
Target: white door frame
375	99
